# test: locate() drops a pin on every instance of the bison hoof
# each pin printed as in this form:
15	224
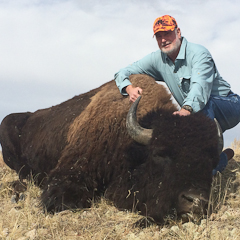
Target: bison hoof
14	198
144	222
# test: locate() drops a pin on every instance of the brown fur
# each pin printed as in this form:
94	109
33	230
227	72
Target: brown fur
83	147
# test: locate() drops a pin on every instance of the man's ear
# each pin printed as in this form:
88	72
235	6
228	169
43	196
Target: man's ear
179	33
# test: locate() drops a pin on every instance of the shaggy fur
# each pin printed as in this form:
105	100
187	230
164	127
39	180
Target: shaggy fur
83	148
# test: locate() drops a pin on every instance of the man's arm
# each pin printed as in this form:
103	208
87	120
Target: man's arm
203	74
146	65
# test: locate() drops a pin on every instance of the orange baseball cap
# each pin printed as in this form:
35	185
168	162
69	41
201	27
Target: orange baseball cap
164	23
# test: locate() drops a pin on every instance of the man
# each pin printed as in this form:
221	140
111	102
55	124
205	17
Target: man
190	74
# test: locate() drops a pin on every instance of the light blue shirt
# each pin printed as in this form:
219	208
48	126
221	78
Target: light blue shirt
191	79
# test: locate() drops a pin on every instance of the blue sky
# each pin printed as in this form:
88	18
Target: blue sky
54	50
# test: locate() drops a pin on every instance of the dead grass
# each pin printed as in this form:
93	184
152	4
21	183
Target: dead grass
25	220
1	160
236	146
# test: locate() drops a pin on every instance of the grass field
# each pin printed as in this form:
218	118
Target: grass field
26	220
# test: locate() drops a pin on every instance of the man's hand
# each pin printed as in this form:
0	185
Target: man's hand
133	92
182	112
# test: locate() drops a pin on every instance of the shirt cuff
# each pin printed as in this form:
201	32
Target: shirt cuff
124	84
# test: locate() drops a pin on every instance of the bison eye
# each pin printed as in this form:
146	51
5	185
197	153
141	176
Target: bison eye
162	160
160	157
161	151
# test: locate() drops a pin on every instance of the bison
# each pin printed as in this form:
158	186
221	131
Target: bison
83	149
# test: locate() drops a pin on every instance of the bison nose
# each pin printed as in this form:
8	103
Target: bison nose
193	202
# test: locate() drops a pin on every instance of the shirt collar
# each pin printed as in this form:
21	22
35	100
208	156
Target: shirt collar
182	52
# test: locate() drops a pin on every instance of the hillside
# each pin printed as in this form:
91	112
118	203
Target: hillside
26	220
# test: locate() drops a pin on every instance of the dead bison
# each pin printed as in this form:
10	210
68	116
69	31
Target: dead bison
81	149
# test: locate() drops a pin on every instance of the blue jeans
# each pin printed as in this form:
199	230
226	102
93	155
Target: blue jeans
227	111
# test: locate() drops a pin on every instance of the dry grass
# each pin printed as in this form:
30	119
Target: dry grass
236	146
25	220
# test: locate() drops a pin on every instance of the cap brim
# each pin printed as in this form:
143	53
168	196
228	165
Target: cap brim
164	30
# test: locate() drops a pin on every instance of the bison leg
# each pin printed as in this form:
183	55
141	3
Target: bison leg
65	190
10	139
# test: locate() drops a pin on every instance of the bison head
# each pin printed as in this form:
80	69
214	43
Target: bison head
184	150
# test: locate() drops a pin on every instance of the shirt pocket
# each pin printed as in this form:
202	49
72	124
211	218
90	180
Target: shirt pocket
185	84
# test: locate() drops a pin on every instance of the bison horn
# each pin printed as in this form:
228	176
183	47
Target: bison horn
136	132
220	136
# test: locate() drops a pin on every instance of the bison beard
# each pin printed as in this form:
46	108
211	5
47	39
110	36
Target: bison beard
81	150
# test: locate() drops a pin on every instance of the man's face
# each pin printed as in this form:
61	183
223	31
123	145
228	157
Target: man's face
169	41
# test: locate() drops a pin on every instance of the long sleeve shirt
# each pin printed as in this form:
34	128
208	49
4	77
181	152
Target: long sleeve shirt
192	78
